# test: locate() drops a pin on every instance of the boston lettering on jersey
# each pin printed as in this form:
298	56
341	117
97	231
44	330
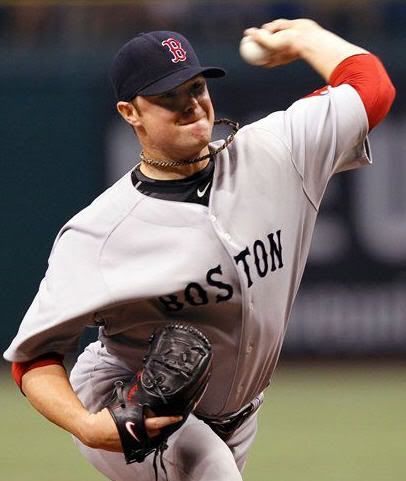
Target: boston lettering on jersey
265	256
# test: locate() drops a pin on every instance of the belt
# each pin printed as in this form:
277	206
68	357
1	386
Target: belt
226	426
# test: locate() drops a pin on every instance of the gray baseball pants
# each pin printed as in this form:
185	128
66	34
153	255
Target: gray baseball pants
195	452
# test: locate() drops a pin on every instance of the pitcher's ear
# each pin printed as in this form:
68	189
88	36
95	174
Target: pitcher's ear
129	112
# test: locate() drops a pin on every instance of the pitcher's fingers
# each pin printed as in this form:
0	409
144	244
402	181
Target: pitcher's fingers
265	38
249	31
160	422
277	25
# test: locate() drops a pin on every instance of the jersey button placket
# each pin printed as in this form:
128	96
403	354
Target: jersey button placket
248	350
225	235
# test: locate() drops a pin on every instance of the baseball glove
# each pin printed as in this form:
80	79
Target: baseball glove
173	379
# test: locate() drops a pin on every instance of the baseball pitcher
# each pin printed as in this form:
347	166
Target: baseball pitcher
203	246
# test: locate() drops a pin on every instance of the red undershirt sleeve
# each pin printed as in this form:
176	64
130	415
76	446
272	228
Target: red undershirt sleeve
366	74
18	369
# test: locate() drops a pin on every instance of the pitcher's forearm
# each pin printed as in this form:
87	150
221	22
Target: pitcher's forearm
50	393
324	51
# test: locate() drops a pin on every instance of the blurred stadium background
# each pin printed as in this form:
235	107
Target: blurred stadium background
336	408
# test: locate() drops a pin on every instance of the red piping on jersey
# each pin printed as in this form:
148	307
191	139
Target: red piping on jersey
18	369
369	78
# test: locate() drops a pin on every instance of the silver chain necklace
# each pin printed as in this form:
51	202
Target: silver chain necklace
174	163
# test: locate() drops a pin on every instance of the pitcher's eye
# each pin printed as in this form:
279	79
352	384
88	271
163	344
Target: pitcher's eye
168	95
198	87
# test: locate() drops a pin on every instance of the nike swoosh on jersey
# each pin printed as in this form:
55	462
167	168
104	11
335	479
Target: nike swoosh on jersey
200	193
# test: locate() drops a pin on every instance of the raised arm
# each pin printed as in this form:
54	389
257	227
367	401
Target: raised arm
289	40
335	59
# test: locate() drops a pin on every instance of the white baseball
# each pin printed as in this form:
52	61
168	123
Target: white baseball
253	53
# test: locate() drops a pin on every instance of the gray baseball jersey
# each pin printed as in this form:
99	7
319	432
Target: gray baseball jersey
130	262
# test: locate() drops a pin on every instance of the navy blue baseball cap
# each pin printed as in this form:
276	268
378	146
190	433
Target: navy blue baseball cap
153	63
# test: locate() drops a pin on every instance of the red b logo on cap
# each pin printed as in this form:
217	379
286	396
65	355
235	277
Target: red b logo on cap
175	47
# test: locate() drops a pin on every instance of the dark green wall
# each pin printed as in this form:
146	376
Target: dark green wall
52	123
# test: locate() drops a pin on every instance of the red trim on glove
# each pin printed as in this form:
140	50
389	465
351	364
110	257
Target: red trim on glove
369	78
18	369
